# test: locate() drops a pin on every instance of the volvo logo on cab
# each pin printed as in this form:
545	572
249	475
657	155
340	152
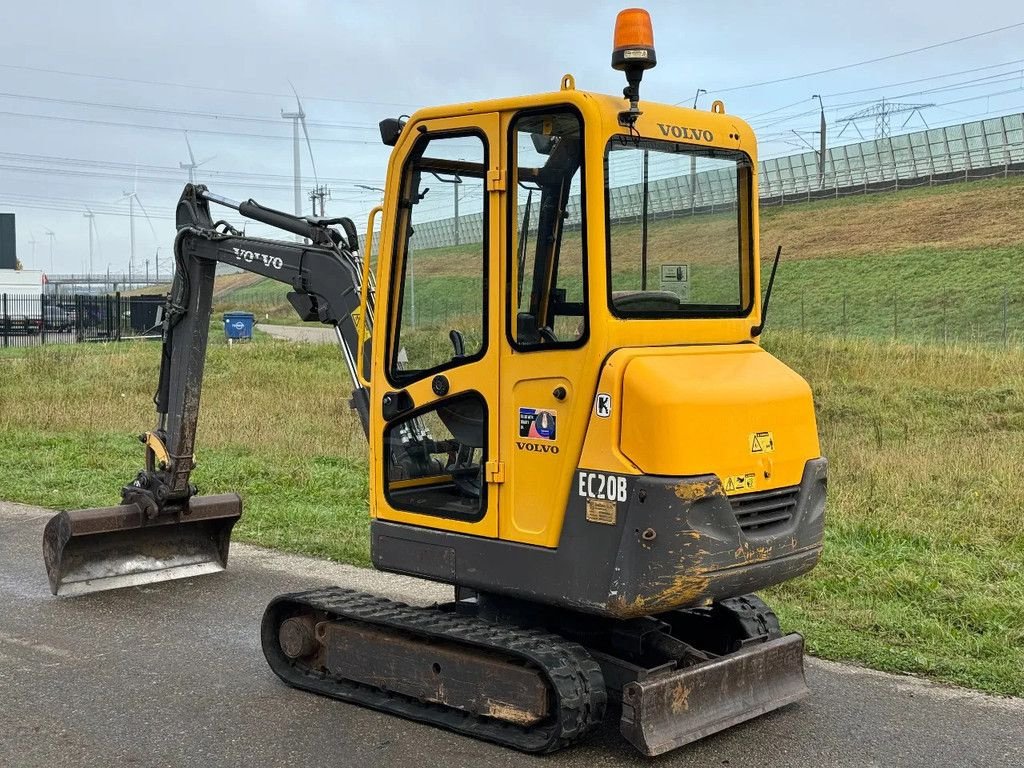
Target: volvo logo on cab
682	132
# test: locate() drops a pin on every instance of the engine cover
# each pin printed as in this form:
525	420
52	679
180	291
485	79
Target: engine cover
732	410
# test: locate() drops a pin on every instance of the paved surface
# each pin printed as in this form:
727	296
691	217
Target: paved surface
172	675
312	332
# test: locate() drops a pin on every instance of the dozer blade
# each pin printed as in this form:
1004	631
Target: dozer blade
669	710
90	550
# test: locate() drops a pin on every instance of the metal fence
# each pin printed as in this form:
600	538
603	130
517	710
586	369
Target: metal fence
975	150
31	320
991	316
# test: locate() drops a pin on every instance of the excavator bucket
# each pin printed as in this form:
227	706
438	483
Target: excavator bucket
89	550
669	710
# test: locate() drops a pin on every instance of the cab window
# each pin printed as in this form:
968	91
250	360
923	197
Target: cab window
667	259
547	245
436	457
439	320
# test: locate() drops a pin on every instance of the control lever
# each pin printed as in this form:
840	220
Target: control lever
458	344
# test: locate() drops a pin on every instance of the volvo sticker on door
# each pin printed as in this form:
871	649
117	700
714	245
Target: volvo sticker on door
536	424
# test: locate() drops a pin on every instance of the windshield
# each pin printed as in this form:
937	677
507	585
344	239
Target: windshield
679	229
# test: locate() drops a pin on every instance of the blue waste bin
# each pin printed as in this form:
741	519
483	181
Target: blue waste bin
238	325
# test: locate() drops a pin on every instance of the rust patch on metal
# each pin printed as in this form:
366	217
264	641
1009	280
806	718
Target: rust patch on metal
680	698
502	711
689	490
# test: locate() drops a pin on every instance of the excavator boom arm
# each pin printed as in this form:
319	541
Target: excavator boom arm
325	279
162	529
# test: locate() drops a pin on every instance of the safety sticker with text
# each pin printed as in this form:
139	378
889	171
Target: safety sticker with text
762	442
738	483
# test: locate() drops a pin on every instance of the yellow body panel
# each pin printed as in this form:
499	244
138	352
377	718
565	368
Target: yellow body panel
688	408
697	410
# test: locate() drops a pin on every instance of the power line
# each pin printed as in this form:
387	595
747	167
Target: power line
177	112
881	113
130	176
999	77
174	171
872	88
238	91
764	140
875	60
923	79
210	131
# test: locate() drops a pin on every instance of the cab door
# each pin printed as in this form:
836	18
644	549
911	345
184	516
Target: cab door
435	420
548	364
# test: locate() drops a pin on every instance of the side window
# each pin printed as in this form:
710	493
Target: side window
441	257
547	247
435	459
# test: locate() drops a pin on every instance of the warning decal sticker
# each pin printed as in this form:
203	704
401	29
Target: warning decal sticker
762	442
738	483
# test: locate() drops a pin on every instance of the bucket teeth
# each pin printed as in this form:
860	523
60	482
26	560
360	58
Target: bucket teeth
89	550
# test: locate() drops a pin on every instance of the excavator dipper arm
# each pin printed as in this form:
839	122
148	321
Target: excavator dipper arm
325	277
162	529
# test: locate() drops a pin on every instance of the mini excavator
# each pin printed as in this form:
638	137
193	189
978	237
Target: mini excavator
569	417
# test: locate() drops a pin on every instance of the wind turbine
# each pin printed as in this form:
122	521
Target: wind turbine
50	234
191	165
133	198
32	242
92	226
297	118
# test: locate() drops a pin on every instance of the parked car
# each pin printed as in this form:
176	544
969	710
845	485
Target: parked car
59	318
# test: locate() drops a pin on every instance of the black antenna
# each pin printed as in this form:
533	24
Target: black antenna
756	329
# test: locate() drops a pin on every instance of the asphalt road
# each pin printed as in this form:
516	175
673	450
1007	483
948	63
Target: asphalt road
311	332
172	675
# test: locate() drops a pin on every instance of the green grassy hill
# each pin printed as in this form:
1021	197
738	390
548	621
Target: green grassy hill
932	264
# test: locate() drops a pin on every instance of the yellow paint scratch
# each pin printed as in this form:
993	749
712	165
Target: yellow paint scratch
748	554
689	490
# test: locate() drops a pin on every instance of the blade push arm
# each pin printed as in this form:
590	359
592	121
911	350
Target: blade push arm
325	279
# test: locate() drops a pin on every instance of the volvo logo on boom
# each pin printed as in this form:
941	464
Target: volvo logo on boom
682	132
274	262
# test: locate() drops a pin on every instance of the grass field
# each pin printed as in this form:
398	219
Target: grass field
923	569
931	264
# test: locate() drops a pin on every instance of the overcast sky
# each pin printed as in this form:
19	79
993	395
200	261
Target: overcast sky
92	91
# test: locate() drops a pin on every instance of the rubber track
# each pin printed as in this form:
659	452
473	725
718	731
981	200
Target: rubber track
575	678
